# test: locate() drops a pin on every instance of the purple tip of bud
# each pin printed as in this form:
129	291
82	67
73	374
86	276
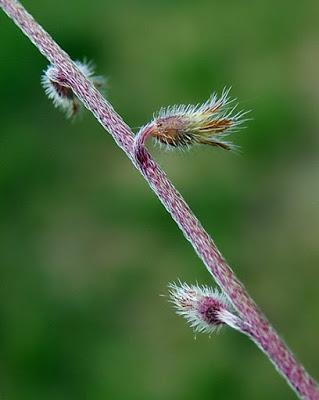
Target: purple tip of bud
210	309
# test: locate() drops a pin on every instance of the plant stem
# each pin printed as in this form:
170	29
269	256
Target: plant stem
262	332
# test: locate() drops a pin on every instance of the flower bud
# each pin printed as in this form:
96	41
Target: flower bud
182	126
61	94
205	309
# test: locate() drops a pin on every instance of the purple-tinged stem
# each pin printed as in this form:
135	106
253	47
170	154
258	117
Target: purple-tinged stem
139	152
262	332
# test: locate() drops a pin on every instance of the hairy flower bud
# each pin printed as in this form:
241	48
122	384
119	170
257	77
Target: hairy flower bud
204	308
61	94
182	126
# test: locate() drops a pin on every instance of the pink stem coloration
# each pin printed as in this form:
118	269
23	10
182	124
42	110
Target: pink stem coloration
263	334
139	151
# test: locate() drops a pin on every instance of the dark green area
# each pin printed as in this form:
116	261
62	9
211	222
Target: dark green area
85	247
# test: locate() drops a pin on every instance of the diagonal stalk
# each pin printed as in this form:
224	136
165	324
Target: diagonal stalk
262	332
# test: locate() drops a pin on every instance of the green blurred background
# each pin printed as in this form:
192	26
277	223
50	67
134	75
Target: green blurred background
87	249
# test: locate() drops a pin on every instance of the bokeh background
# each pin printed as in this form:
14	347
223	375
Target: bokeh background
87	249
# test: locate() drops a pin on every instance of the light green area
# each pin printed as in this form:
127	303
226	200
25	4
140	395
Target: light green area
86	248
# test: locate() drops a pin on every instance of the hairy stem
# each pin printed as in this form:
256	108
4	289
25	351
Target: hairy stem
262	332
